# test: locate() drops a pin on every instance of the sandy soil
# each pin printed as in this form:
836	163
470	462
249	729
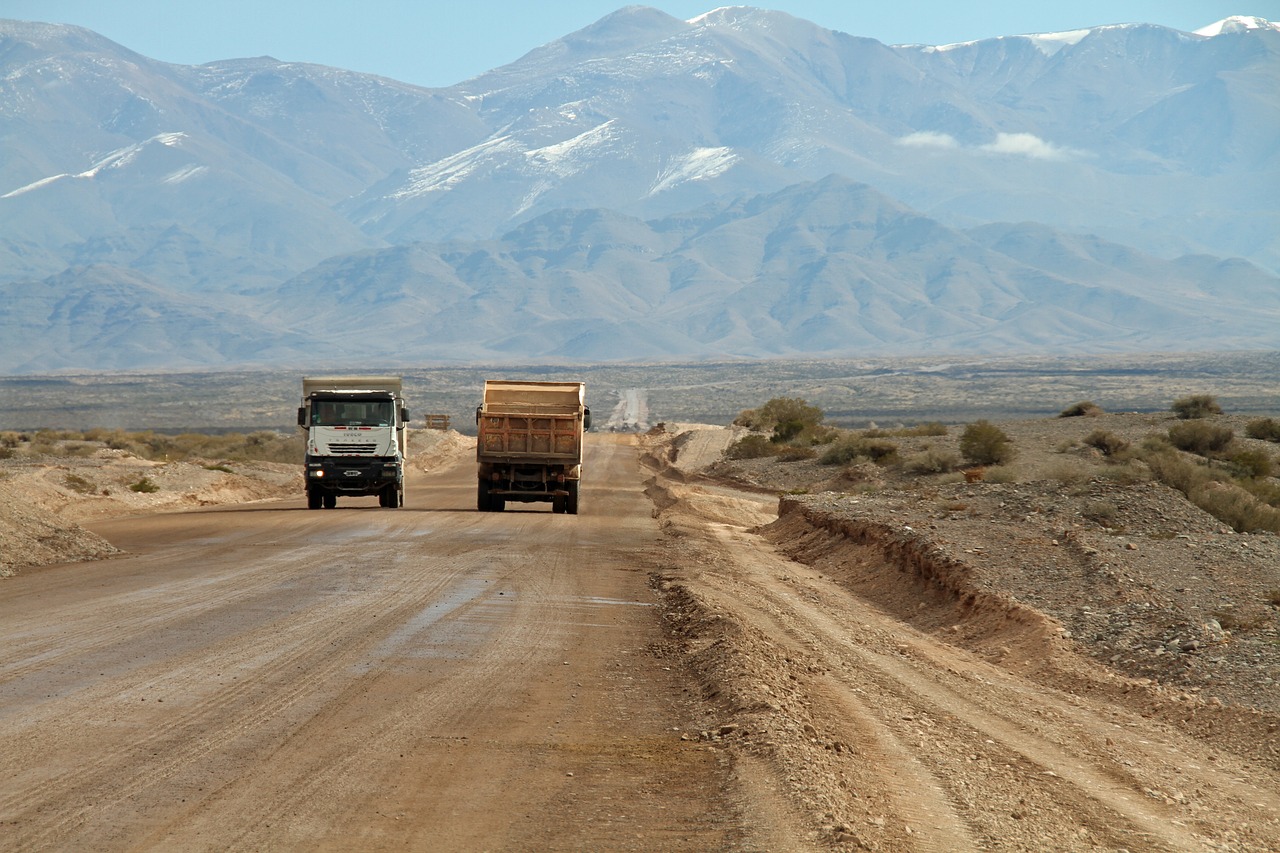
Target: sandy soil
757	656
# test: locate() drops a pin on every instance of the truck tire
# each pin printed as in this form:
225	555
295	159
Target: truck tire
330	501
557	503
314	499
482	498
571	501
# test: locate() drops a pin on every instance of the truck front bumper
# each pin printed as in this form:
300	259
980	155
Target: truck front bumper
359	475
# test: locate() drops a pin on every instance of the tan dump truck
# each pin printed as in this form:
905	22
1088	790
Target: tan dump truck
529	444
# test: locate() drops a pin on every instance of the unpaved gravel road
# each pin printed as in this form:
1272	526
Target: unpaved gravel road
653	674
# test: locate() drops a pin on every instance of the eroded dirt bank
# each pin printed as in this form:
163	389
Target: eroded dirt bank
942	673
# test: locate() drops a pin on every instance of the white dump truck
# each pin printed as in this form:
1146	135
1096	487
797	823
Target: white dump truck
356	438
529	443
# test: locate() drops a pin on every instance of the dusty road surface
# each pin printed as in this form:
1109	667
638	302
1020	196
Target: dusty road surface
430	678
655	673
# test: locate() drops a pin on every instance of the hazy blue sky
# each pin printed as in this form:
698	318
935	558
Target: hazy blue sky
435	43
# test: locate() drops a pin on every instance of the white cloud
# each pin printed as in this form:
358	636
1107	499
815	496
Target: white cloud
929	139
1015	144
1027	145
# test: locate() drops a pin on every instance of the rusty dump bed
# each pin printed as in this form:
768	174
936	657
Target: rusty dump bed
531	420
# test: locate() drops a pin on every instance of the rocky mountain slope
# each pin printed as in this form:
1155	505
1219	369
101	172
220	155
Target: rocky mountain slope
215	196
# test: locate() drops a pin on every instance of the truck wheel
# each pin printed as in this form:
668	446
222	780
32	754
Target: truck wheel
400	496
330	501
482	498
314	498
557	503
571	502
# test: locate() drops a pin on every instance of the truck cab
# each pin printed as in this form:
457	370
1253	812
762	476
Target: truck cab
356	439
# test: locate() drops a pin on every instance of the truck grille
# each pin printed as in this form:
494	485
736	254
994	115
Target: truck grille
352	448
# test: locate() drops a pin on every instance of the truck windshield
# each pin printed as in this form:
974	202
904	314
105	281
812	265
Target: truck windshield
351	412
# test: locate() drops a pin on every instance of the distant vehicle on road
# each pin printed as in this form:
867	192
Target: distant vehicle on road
529	444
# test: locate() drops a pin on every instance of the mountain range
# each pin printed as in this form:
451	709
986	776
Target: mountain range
745	184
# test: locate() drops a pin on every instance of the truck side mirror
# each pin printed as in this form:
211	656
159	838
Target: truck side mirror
586	418
302	416
404	417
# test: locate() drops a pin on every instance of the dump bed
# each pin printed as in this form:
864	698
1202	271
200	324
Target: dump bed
531	421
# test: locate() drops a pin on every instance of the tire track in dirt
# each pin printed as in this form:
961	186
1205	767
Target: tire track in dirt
264	693
888	738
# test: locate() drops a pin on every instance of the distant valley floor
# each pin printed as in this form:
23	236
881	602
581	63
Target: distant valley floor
852	393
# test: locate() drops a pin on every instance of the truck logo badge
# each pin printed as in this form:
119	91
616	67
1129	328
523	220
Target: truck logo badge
351	473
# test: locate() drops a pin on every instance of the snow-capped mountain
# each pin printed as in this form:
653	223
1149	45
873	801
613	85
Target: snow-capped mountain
257	194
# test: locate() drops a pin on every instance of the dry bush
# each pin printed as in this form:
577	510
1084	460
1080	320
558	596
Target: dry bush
1102	512
751	447
1233	505
984	443
1070	471
1083	409
932	460
1127	473
796	453
1265	429
1003	474
1195	406
1107	442
1200	437
79	484
851	448
145	485
1251	464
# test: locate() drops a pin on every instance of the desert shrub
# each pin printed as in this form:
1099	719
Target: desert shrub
1128	473
79	484
1102	512
984	443
1200	437
786	418
223	468
6	452
1107	442
1003	474
751	447
1179	473
848	449
1233	505
1069	471
1083	409
10	439
796	453
1251	464
1195	406
144	485
1262	488
1266	429
932	460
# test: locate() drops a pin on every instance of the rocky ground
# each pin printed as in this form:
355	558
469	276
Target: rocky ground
1090	555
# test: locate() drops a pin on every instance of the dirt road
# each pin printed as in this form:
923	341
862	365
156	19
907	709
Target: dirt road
429	678
652	674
